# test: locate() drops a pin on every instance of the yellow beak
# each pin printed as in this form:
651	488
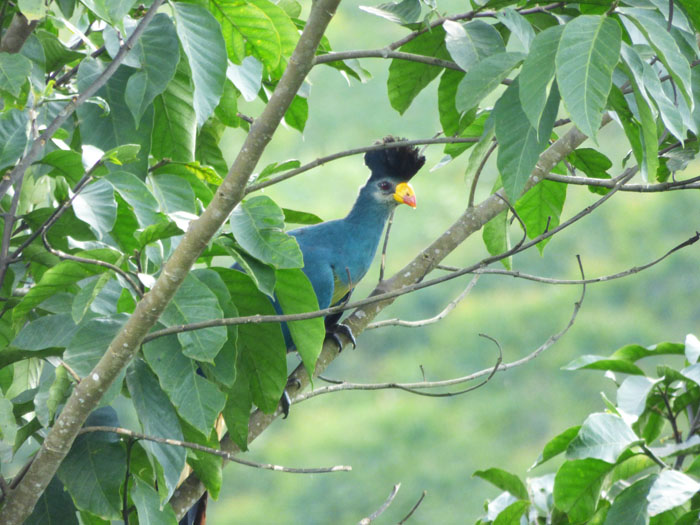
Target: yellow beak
404	193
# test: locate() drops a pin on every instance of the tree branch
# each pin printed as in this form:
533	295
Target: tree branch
87	394
385	52
471	221
17	34
692	183
369	519
214	451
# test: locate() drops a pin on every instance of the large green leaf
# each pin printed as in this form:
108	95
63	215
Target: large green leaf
107	131
61	278
207	151
237	410
633	353
196	399
588	51
95	205
447	91
693	10
136	193
201	38
470	43
261	346
257	225
406	78
159	55
598	362
577	487
13	136
158	418
537	73
602	436
541	207
175	122
94	469
206	466
288	33
147	503
670	489
632	395
404	12
484	77
46	332
195	302
296	295
519	146
112	11
556	445
630	505
247	29
504	481
55	506
14	71
172	193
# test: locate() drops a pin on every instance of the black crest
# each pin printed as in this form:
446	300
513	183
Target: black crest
399	163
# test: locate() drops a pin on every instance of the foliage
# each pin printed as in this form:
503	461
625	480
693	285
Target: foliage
636	463
111	127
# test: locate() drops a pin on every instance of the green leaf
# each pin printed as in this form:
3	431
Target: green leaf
404	12
32	9
237	410
172	193
57	55
407	79
628	121
518	26
94	469
14	71
46	332
519	147
537	73
67	163
194	302
296	295
593	163
54	388
495	236
484	77
588	51
504	481
155	232
247	77
13	136
147	503
602	436
664	45
159	56
470	43
557	445
257	225
447	91
95	205
147	395
206	466
300	217
116	128
203	43
512	514
630	505
248	30
633	353
540	208
175	122
261	346
112	11
577	487
693	10
196	399
670	489
597	362
297	113
287	30
136	193
207	151
632	394
262	274
60	278
692	372
54	507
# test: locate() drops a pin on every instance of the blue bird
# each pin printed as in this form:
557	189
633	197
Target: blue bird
338	253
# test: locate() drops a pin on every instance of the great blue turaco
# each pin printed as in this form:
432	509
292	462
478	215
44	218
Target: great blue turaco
338	253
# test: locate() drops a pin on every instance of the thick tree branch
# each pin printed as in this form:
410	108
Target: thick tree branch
471	221
17	34
88	393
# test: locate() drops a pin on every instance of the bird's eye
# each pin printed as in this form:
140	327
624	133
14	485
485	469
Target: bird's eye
384	186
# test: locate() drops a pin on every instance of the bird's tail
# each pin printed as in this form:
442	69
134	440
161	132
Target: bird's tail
401	162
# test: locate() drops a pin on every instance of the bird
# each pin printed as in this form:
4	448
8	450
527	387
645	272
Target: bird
338	253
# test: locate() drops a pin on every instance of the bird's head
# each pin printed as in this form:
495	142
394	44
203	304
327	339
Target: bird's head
391	169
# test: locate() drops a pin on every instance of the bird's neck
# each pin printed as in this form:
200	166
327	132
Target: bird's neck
368	213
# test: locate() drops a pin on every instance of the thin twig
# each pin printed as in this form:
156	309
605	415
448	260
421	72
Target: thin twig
472	190
692	183
67	76
369	519
656	459
424	322
386	244
385	53
355	151
412	387
10	218
221	453
413	509
70	370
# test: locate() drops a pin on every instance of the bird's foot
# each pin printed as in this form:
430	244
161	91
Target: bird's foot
286	401
334	333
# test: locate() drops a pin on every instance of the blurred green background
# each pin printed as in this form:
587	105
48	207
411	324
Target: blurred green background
435	444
